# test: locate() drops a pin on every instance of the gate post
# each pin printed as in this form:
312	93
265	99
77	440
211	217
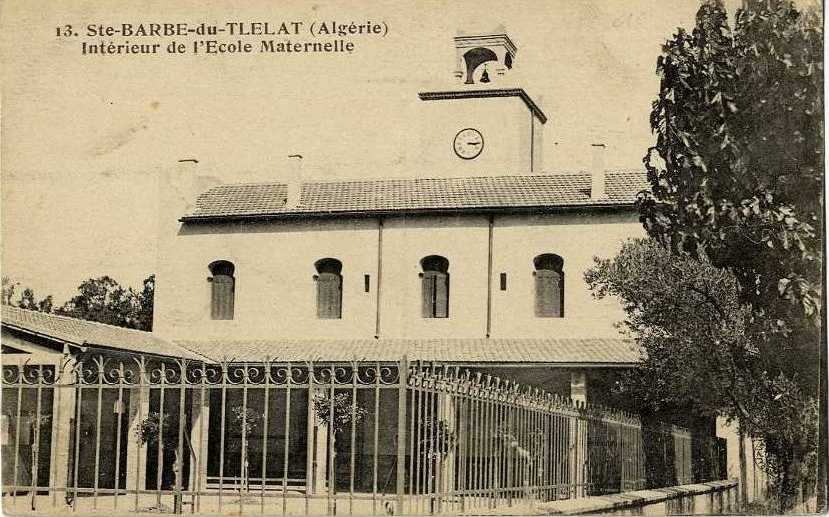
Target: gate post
199	439
403	379
63	418
139	409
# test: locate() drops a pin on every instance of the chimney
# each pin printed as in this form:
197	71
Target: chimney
294	181
597	172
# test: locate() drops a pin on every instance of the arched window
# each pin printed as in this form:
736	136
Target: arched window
435	287
329	288
549	286
222	290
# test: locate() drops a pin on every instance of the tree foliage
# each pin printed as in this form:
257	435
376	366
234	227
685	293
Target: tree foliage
27	299
687	317
736	177
104	300
737	168
700	352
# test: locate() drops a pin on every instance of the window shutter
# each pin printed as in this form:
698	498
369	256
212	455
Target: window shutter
222	294
329	296
442	295
428	294
548	294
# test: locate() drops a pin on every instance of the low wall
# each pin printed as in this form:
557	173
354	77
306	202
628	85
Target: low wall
713	498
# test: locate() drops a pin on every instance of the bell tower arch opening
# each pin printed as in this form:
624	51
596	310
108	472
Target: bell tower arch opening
475	58
484	58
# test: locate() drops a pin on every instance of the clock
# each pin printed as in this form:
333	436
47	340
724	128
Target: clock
468	143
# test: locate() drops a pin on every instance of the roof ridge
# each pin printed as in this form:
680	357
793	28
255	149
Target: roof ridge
312	181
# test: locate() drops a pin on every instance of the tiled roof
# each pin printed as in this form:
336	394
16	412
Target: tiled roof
90	333
574	351
402	195
610	352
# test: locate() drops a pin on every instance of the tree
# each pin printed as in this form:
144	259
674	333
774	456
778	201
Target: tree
148	433
104	300
736	176
699	350
27	299
9	287
246	420
145	303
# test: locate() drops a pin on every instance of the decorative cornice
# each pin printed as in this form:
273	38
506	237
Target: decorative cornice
482	41
482	94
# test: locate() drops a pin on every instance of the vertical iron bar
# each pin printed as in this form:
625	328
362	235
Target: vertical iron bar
496	450
310	422
160	450
17	431
77	437
57	394
179	497
353	438
118	424
98	433
540	454
244	473
200	459
412	457
266	371
376	439
510	453
500	448
544	462
331	448
463	427
403	378
439	445
142	380
525	463
477	451
420	429
287	447
433	450
36	438
488	422
558	434
222	435
531	449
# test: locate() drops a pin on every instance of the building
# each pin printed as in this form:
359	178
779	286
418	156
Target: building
477	259
475	262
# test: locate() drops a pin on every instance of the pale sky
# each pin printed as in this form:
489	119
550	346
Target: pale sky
83	136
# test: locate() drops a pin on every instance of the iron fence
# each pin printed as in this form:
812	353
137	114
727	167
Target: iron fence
143	434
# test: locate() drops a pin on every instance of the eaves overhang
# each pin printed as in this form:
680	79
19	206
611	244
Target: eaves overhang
489	93
495	210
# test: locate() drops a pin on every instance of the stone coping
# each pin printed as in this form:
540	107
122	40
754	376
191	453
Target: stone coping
604	503
611	502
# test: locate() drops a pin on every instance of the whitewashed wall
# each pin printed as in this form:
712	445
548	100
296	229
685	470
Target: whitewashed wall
504	122
276	296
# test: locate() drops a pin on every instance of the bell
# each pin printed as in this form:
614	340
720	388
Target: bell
485	76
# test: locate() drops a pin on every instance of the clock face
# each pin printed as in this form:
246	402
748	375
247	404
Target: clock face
468	143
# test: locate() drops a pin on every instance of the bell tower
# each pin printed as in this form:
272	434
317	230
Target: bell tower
483	59
483	123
